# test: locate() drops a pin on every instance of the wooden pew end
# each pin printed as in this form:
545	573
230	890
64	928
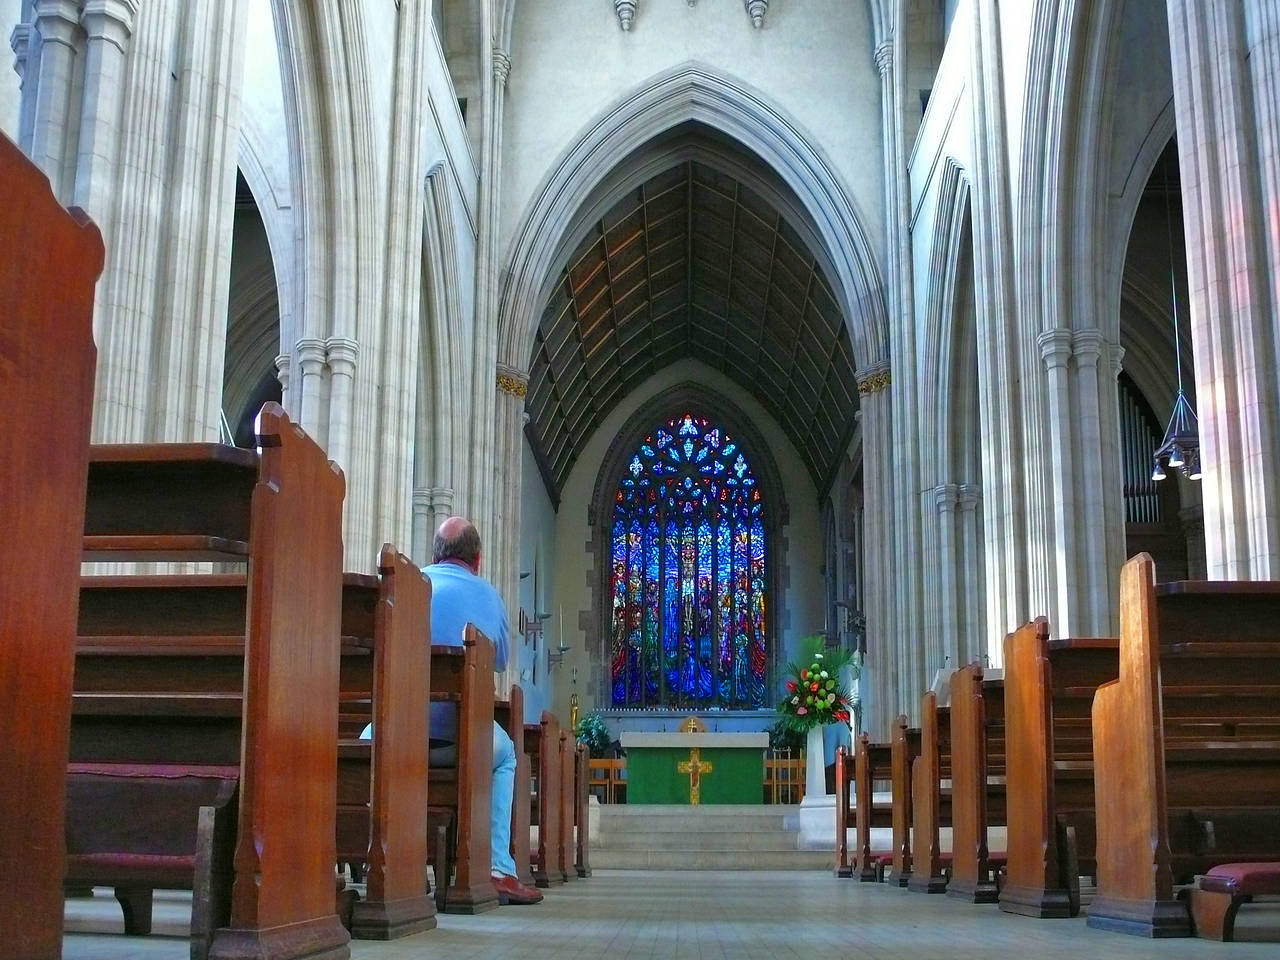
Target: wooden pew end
1219	894
1157	919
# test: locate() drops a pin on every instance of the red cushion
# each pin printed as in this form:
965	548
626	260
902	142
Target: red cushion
1243	879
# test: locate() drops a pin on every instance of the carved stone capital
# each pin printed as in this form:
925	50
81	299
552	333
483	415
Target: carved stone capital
441	498
626	11
311	354
946	496
968	495
1088	346
756	10
884	57
1055	347
342	353
110	20
1117	359
20	41
501	66
283	362
57	20
512	381
874	380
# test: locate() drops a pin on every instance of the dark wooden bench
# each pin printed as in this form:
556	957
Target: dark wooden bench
52	259
1048	696
581	810
568	754
256	718
382	783
541	743
1220	893
930	804
873	762
1186	744
509	714
978	785
461	796
905	751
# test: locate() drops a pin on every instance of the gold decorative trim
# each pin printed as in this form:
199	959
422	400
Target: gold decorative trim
516	386
874	383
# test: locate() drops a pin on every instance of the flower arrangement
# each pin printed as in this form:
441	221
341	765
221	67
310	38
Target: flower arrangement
594	733
815	695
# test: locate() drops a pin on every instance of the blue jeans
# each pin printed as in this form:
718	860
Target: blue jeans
504	782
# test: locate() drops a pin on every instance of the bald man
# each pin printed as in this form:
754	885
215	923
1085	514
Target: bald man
459	597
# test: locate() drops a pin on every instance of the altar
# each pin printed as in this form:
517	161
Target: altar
695	766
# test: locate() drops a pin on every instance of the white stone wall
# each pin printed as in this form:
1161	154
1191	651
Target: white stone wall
10	81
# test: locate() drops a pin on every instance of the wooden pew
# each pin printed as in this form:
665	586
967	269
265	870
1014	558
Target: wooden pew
463	794
581	811
52	259
509	714
977	782
541	743
905	752
874	762
382	783
845	815
1186	744
930	803
1048	693
568	758
261	710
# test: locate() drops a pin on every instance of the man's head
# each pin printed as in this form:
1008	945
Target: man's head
457	540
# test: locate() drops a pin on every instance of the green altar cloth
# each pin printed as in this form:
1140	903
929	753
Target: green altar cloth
654	760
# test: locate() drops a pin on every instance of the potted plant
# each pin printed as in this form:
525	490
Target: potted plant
814	696
594	734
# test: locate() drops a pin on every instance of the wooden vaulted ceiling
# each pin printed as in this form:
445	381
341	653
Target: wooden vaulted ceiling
693	263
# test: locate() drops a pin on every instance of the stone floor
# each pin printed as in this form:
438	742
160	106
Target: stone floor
698	916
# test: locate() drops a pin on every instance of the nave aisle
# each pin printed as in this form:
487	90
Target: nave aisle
758	915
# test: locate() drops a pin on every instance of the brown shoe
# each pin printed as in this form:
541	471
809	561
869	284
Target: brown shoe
511	890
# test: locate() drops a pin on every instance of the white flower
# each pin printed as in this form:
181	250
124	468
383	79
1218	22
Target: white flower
831	698
817	656
823	674
795	699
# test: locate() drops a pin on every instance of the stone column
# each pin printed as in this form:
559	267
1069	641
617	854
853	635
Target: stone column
109	27
1093	590
886	674
945	497
341	353
1055	351
311	352
1226	78
24	61
58	24
423	527
512	386
972	632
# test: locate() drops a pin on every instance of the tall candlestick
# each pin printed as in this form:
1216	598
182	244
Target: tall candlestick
562	628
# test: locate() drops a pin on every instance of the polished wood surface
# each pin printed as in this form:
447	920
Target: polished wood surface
874	762
568	754
541	742
1048	690
930	803
903	753
581	811
1186	751
464	675
396	902
977	781
52	259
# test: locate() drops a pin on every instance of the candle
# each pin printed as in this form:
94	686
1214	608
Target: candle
562	628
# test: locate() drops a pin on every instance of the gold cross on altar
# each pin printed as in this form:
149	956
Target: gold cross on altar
694	768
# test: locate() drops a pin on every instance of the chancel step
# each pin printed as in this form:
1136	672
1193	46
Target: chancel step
703	838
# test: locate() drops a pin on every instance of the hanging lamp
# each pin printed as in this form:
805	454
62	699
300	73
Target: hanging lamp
1180	449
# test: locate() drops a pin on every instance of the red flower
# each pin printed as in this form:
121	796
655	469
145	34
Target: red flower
791	686
804	674
842	716
813	687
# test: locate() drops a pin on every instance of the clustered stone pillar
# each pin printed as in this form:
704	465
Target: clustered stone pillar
887	678
1226	79
512	386
108	25
57	22
342	353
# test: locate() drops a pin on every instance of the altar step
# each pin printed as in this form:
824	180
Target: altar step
702	838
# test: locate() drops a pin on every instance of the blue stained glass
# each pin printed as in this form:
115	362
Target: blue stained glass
688	573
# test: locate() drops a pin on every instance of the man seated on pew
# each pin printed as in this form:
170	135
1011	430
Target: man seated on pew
458	597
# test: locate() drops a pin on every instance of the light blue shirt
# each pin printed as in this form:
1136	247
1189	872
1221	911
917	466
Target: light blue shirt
459	597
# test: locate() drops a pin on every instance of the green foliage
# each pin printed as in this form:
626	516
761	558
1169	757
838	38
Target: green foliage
594	734
814	691
784	737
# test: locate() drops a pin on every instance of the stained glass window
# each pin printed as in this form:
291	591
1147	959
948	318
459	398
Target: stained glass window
688	573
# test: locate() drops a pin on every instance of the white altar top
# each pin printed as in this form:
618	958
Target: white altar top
687	741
